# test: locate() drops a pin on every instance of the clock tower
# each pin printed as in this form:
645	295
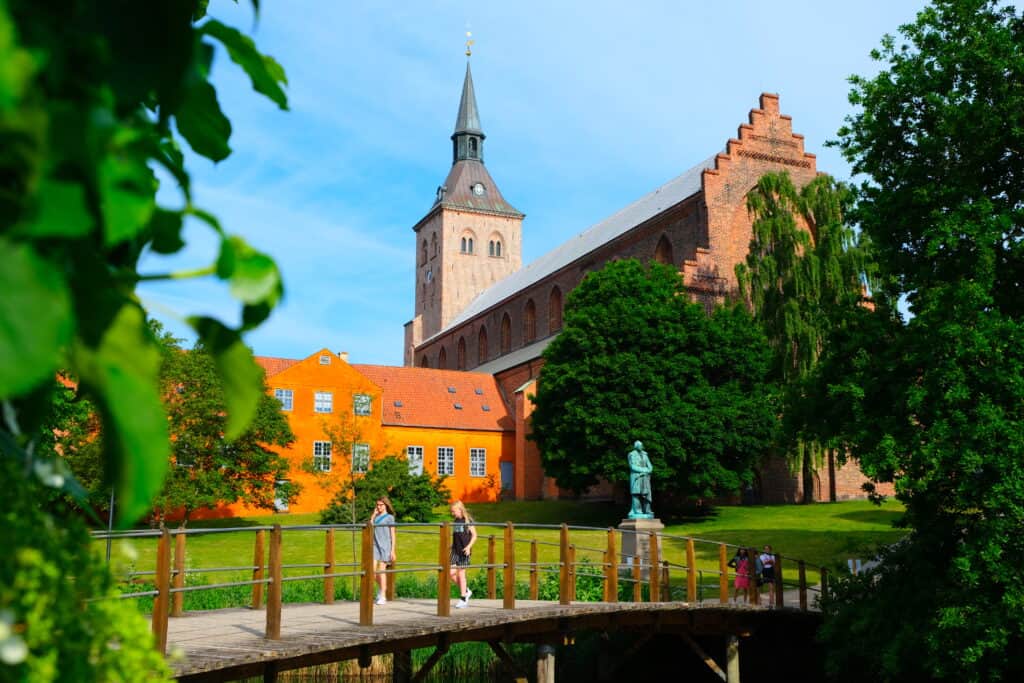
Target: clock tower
468	240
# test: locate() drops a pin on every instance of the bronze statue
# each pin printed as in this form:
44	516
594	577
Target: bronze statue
640	483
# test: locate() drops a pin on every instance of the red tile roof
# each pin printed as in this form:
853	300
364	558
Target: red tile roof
272	365
423	397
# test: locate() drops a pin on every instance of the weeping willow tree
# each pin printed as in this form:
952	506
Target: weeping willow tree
804	265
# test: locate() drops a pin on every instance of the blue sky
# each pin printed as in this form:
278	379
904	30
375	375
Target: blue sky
586	107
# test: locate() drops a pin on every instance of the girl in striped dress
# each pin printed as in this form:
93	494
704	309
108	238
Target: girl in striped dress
463	538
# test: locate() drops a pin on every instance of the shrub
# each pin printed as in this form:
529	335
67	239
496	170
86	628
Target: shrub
413	495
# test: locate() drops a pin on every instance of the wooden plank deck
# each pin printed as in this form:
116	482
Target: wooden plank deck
229	643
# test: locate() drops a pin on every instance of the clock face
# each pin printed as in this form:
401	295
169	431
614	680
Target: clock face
478	189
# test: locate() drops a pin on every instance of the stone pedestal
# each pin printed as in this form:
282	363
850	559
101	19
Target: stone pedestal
636	540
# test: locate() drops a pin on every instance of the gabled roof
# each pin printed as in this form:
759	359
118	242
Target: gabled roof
640	211
272	365
425	397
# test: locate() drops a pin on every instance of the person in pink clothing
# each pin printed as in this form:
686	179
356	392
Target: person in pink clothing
741	563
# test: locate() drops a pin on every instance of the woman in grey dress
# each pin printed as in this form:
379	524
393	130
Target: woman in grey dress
383	544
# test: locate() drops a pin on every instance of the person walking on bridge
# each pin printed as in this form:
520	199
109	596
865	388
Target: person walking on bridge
384	544
463	538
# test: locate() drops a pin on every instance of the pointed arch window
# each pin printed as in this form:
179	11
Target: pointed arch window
473	148
442	359
424	361
506	334
529	322
481	347
555	310
663	252
494	248
460	354
466	247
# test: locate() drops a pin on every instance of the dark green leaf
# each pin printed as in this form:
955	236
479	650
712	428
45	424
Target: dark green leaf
201	121
123	373
166	227
35	318
242	377
266	74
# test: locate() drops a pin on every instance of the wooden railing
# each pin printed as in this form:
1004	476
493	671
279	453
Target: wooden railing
267	568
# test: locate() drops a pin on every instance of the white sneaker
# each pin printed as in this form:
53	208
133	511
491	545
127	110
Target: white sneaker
461	604
467	596
380	600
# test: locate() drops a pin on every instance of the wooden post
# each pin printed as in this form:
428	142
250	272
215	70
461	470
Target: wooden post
802	572
563	569
178	599
275	588
779	599
755	585
329	567
572	571
366	584
638	594
163	587
653	580
533	569
492	589
732	659
508	593
545	663
666	581
401	666
444	560
257	571
612	569
723	574
691	572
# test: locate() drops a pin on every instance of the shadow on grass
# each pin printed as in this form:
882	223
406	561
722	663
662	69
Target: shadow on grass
876	517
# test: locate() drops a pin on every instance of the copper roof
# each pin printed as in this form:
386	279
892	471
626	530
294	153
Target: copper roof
458	191
445	399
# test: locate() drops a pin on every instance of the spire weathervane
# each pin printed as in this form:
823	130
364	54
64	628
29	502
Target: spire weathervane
469	43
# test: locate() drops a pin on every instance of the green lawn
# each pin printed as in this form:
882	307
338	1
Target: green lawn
822	534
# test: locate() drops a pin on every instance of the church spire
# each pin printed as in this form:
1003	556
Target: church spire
468	138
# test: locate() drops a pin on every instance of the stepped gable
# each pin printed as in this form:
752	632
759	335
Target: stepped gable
422	397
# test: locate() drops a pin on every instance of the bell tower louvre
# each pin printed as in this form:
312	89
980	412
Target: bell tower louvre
468	240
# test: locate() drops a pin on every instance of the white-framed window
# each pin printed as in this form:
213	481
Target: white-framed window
360	457
285	396
478	462
325	360
445	460
414	455
322	456
362	404
323	402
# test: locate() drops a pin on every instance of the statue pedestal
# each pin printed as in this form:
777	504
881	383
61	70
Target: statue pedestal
636	540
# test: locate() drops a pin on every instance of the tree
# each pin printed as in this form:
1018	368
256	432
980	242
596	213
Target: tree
935	403
414	495
208	470
93	97
805	266
637	360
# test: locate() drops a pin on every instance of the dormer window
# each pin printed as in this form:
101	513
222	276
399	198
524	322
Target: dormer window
325	360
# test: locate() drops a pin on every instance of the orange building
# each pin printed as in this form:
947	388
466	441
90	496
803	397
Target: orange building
447	423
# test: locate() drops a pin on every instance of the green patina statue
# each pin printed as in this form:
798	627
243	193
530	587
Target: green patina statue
640	483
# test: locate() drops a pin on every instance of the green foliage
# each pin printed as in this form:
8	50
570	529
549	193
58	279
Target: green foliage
413	495
88	108
209	470
58	618
637	360
935	403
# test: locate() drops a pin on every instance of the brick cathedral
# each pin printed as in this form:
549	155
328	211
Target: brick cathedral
479	309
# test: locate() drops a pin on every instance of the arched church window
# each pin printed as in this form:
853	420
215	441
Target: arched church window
481	347
497	248
472	148
506	334
460	355
442	359
490	248
663	252
470	246
555	310
424	361
529	322
464	246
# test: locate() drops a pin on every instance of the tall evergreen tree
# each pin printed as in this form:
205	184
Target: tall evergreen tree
804	263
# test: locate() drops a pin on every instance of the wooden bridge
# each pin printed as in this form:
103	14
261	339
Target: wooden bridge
648	594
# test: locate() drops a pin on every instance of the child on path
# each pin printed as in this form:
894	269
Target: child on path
463	538
384	545
741	563
768	572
